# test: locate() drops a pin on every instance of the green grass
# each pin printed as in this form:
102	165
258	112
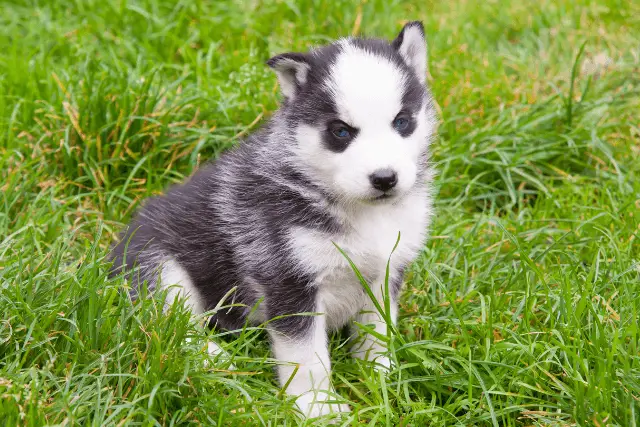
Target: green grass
523	308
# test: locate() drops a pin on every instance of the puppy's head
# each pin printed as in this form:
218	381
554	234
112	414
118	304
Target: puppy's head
361	113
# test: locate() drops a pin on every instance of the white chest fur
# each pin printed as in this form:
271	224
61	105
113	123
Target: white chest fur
369	238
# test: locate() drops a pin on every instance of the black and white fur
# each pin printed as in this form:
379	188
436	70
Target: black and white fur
356	119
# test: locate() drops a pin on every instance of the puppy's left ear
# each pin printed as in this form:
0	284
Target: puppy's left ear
412	46
291	69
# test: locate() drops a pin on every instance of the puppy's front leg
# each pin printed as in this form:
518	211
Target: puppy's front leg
369	347
300	343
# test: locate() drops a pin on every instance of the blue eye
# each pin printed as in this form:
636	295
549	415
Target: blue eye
339	135
341	132
401	123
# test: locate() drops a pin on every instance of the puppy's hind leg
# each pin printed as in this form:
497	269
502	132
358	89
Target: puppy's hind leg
176	280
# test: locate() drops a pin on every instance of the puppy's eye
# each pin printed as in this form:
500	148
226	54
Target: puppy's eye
401	124
341	131
339	135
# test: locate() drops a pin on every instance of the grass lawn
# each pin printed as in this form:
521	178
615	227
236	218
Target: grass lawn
521	311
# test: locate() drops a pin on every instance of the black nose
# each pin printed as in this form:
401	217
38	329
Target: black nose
383	179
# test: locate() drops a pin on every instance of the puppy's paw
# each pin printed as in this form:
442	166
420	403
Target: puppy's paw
217	353
381	362
313	405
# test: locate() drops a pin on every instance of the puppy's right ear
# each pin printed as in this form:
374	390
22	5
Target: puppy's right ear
411	44
292	70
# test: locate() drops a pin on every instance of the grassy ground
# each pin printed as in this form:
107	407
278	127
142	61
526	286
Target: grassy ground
522	310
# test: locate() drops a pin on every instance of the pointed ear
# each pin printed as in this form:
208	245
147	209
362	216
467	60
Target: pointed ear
412	46
291	69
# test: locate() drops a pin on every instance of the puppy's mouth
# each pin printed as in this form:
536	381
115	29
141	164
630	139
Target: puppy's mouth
384	197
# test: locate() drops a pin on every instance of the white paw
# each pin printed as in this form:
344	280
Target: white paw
214	349
314	405
381	361
217	353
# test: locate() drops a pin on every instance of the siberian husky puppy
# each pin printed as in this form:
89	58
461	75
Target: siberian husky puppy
342	163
